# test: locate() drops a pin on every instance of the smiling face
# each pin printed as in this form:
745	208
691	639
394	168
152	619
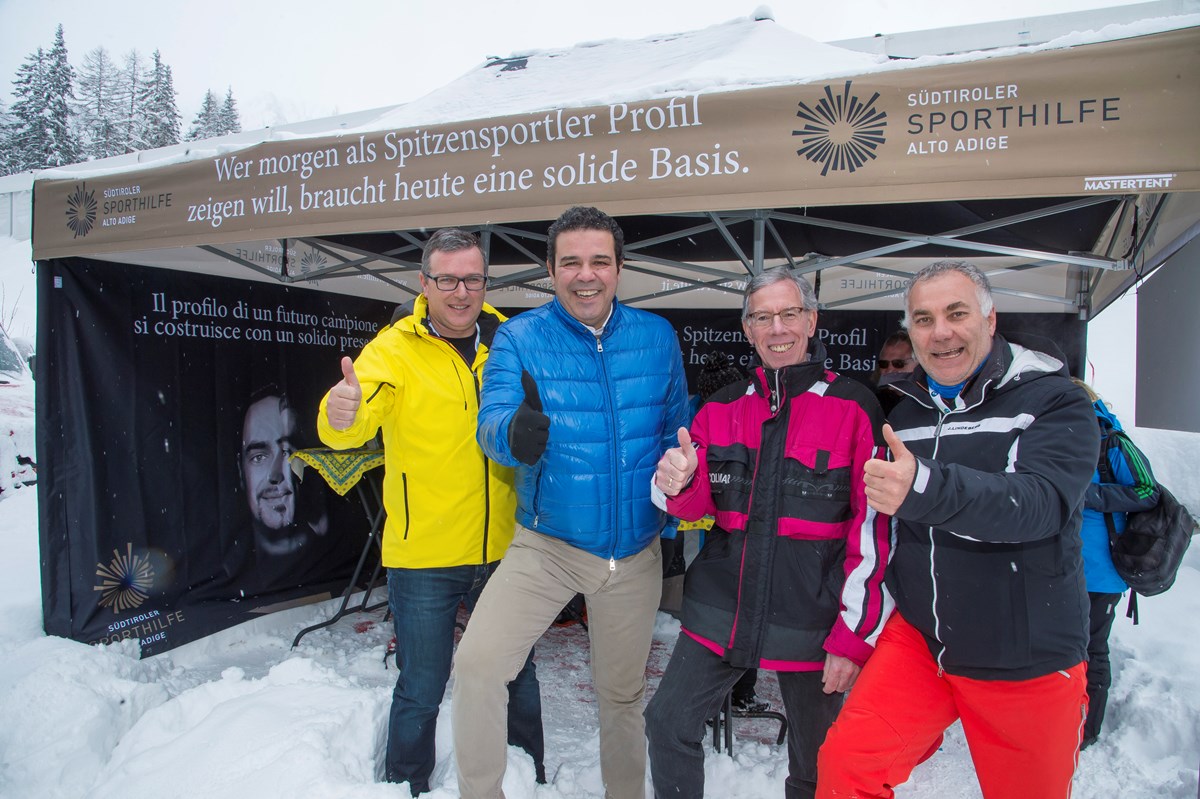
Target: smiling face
950	334
779	343
454	312
585	273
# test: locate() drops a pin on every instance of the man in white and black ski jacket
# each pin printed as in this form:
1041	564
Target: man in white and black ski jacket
991	452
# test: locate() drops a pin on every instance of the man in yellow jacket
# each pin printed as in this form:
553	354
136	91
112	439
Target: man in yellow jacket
450	509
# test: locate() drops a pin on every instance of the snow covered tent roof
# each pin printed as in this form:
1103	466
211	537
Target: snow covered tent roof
1068	170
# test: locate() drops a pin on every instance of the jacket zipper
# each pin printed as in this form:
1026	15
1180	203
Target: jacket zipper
487	480
612	553
774	405
937	620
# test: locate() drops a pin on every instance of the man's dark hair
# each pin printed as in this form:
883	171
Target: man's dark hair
899	337
450	239
584	217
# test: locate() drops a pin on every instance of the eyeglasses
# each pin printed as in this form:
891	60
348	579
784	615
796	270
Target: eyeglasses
895	363
789	316
450	282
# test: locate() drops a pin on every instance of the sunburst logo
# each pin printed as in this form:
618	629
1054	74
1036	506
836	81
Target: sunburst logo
81	210
841	132
125	582
312	260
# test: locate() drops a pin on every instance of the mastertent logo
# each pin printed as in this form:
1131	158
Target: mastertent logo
841	132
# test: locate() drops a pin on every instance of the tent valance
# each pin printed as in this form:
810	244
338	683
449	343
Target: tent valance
1110	118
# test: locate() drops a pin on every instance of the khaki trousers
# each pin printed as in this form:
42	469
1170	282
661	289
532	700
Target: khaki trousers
538	575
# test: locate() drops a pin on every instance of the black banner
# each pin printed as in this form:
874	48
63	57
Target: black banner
167	404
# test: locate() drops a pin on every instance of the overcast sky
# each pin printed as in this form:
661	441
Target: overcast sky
304	59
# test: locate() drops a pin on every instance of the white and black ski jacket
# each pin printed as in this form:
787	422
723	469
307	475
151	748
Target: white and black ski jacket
987	557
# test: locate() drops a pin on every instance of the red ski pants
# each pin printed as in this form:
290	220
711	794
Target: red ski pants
1023	734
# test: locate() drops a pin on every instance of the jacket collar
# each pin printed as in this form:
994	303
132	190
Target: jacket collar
611	324
776	385
418	321
1007	364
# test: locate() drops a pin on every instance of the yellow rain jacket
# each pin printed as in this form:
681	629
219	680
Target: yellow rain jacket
447	503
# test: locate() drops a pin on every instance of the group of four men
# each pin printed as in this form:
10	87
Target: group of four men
577	428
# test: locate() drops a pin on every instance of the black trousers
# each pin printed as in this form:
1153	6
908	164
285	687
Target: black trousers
1099	669
693	687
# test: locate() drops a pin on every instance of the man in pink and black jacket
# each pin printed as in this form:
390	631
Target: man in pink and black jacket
791	576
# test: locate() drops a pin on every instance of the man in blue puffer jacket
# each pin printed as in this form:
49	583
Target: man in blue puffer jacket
583	396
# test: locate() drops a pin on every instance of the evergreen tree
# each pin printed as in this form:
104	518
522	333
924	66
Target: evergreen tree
231	120
28	141
60	83
208	121
100	109
160	114
39	133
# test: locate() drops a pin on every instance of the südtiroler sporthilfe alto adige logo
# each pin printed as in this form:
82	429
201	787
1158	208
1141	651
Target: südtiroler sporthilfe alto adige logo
126	581
81	210
840	131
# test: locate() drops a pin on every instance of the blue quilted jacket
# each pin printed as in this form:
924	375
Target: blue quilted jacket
615	403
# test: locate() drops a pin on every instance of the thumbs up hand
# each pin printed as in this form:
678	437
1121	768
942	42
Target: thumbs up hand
888	482
676	466
344	398
529	429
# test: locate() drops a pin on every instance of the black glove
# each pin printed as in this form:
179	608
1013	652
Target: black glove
530	428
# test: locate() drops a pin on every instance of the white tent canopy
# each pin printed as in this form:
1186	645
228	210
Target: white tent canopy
1067	169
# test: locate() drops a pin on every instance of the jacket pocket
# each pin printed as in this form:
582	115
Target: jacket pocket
817	493
730	476
407	509
983	611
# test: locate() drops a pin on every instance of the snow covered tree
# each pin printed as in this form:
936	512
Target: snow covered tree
100	109
231	120
27	140
208	121
60	85
215	120
159	112
39	132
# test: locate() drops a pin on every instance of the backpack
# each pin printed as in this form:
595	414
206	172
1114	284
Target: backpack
1148	554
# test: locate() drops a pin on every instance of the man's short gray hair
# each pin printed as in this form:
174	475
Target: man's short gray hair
450	239
779	274
983	289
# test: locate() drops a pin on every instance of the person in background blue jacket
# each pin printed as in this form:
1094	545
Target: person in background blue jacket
582	396
1135	489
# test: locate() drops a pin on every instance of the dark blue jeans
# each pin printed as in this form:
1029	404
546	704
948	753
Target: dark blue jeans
692	689
424	605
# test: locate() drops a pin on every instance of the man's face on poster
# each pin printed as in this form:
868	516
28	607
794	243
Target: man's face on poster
267	432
